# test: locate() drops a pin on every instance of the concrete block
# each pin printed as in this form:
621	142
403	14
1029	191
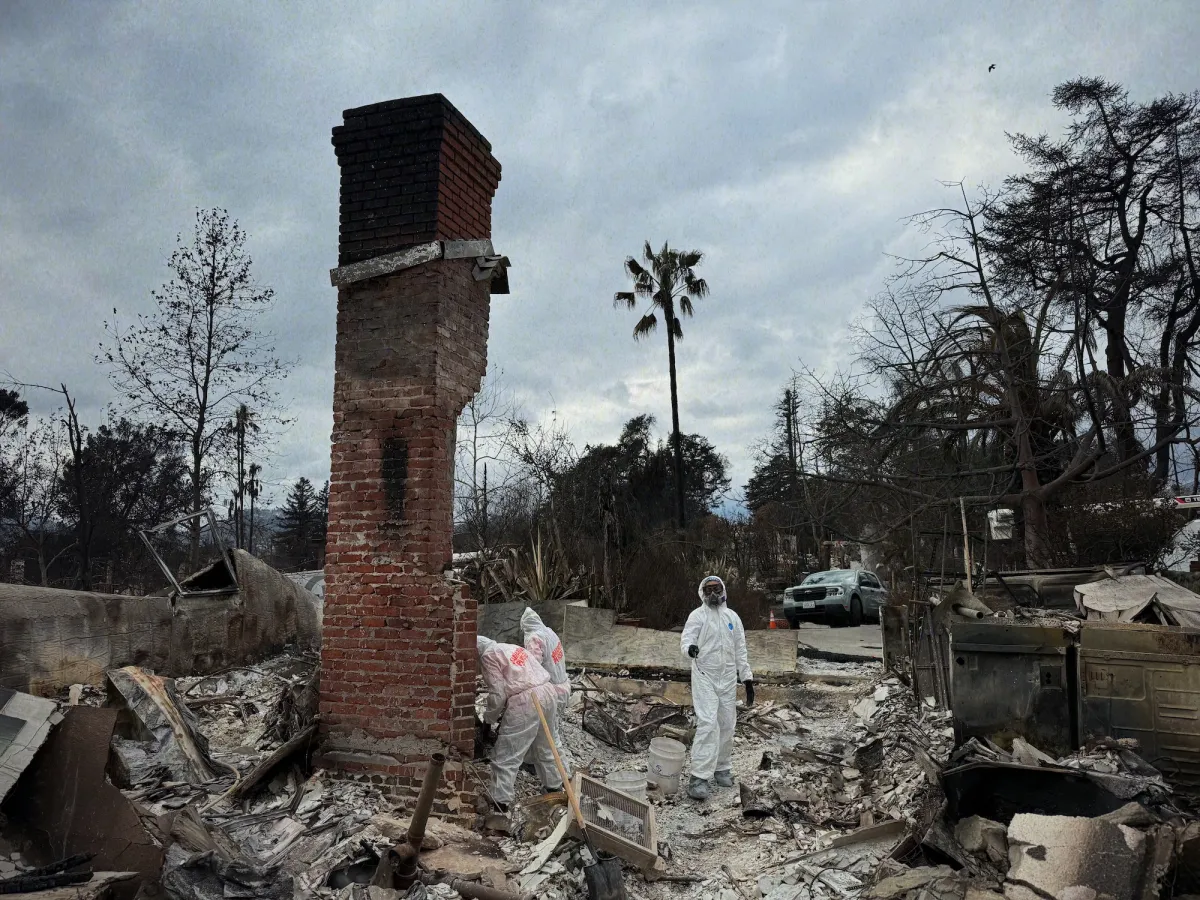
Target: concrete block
983	837
1054	853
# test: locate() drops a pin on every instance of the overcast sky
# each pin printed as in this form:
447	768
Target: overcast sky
787	141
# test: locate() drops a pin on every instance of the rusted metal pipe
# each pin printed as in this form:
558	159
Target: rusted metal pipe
397	868
473	890
420	816
405	873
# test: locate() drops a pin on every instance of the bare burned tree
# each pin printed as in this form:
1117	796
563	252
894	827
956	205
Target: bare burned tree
202	352
245	431
1106	218
972	393
35	461
14	418
1045	344
544	452
491	491
72	465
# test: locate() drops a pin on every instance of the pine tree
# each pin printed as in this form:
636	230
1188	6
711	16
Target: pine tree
299	523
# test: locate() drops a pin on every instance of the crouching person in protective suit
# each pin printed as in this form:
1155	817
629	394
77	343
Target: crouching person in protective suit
714	642
514	678
546	647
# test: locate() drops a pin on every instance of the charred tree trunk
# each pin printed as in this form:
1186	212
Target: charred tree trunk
676	437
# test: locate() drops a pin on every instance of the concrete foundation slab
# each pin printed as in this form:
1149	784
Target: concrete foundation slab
861	644
592	640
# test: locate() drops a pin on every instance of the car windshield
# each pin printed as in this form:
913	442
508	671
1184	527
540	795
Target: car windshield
838	576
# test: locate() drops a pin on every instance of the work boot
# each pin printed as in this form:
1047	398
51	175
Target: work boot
724	778
498	820
698	789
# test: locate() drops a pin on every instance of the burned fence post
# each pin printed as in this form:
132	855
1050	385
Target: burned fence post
415	275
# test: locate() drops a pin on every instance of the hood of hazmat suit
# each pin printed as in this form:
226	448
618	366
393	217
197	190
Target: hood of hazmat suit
545	645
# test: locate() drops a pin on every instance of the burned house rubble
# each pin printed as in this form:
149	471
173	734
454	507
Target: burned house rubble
853	780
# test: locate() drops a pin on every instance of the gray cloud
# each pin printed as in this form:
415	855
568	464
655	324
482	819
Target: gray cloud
786	140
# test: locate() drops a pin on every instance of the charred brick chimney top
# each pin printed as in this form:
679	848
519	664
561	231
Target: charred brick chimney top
416	270
413	170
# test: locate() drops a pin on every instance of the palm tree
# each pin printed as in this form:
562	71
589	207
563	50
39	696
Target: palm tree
667	279
244	424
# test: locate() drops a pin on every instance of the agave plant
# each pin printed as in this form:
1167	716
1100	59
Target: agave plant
542	574
718	565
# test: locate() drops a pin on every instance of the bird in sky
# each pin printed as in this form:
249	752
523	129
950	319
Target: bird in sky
991	67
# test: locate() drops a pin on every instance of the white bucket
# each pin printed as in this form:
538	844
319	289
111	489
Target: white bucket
668	785
665	763
627	782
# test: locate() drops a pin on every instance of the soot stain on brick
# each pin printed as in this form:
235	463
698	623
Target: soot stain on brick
395	477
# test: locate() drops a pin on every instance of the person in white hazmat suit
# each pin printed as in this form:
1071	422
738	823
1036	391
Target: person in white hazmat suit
715	642
514	678
546	647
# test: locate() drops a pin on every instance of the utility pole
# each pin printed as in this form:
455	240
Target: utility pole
253	488
818	546
962	508
789	425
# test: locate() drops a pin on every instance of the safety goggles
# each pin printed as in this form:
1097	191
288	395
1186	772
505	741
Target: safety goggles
713	588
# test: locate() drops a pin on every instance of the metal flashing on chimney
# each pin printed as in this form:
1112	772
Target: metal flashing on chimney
389	264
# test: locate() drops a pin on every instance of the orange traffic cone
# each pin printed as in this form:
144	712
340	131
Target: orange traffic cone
772	625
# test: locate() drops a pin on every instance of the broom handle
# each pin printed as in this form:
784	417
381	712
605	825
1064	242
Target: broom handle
562	770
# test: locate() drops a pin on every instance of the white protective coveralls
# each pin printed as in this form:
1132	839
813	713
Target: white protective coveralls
546	647
716	670
513	679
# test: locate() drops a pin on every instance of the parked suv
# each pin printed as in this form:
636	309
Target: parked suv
841	596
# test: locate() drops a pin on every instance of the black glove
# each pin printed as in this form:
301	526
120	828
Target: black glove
693	651
749	685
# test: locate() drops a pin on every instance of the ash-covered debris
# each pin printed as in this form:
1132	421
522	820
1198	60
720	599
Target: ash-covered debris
219	775
845	788
857	790
289	831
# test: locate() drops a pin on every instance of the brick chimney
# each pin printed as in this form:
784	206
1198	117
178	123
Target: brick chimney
416	270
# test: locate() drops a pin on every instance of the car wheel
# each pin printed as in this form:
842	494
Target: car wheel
793	621
856	611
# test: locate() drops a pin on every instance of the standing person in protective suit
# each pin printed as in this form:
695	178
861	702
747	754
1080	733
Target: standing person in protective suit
513	679
546	647
715	642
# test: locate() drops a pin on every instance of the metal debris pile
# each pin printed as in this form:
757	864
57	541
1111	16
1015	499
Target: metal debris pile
277	831
845	789
630	723
1034	615
808	769
878	767
214	773
1111	763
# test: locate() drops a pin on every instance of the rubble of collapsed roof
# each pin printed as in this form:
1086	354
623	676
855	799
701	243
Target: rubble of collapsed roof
844	791
854	780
